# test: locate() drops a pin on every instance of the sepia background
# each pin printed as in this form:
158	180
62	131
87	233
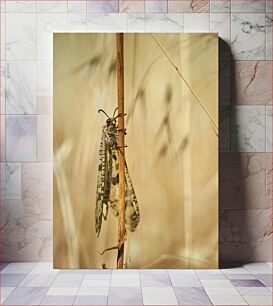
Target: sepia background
172	151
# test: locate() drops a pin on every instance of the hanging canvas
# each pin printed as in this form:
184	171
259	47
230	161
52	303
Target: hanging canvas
170	137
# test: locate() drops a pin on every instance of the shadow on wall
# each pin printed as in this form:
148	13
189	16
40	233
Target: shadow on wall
232	244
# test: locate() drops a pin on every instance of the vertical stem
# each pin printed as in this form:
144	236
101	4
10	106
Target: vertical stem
121	155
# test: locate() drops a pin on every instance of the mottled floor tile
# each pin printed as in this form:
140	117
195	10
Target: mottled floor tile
216	283
155	280
3	265
38	280
129	280
254	291
192	296
5	292
246	283
227	300
95	283
213	291
258	299
63	291
20	267
258	268
11	280
72	271
180	279
26	296
125	296
159	296
266	279
58	300
87	291
240	276
91	300
67	280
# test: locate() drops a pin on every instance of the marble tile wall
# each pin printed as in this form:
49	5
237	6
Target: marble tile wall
245	85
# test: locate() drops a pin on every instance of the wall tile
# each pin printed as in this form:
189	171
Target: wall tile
12	175
46	25
252	83
249	6
109	6
248	36
44	138
3	6
188	6
21	6
160	6
131	6
163	22
3	36
44	105
220	6
20	88
268	22
77	6
224	134
3	138
77	22
20	138
52	6
245	236
248	129
196	22
44	78
21	36
3	87
268	128
220	23
243	181
269	6
106	22
224	82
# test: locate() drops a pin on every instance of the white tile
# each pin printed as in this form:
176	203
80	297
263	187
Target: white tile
52	6
47	24
254	291
67	280
268	128
216	283
160	22
5	292
86	291
3	138
20	88
95	283
268	23
248	129
77	6
221	291
227	300
3	36
269	6
270	264
44	138
220	23
249	6
20	36
258	300
12	181
14	268
240	276
258	268
136	22
77	22
20	6
62	291
248	36
106	22
235	271
125	280
159	296
37	280
196	22
44	268
3	88
220	6
44	78
156	6
97	276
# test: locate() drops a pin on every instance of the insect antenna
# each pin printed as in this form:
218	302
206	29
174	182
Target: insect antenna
115	112
101	110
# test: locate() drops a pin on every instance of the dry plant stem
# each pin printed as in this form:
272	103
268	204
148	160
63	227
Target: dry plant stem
121	152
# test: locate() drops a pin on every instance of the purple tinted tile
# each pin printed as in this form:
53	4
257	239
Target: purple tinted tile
91	300
239	276
58	300
11	280
102	6
26	296
3	265
192	296
125	296
246	283
266	279
155	280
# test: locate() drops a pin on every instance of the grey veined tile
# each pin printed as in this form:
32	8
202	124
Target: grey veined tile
249	6
26	296
268	128
248	36
248	129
